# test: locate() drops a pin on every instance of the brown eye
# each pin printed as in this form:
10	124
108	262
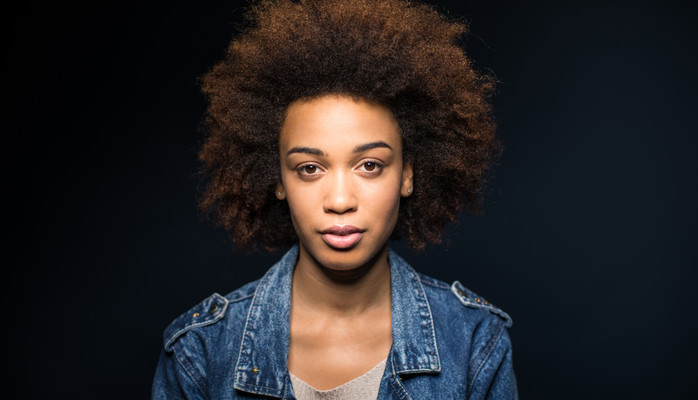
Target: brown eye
371	168
310	169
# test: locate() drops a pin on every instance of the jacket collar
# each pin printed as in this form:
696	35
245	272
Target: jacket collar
262	362
414	342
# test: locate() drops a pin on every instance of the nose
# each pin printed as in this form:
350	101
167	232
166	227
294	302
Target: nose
339	195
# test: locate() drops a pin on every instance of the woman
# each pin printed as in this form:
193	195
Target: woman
334	126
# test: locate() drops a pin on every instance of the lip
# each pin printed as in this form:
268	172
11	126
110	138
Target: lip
342	236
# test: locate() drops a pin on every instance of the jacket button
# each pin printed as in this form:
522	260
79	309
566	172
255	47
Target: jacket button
213	309
196	314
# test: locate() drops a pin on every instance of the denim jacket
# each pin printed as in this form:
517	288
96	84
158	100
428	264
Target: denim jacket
448	343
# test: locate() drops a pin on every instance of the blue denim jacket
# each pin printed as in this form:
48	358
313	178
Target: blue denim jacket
448	343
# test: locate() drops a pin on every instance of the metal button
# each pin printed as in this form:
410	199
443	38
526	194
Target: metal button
196	314
255	370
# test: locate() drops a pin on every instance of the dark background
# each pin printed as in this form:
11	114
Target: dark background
587	240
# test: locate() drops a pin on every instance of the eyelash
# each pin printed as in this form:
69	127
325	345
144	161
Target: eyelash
301	169
377	169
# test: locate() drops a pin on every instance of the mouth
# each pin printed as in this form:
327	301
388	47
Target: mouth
342	237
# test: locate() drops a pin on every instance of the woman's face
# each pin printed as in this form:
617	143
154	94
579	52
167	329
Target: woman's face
342	174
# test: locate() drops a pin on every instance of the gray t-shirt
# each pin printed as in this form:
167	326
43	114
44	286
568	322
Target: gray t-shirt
361	388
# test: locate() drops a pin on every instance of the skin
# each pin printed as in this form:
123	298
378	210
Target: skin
341	164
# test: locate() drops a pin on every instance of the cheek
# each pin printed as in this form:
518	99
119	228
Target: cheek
303	207
296	207
384	200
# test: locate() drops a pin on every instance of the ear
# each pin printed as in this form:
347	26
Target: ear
406	187
280	192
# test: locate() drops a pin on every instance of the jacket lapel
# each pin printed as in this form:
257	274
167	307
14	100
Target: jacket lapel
262	365
414	349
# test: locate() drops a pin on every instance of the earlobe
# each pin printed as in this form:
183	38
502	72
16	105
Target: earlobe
280	192
406	187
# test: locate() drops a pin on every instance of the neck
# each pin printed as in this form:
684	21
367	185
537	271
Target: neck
345	292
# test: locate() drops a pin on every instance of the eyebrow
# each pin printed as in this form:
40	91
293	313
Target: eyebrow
369	146
358	149
306	150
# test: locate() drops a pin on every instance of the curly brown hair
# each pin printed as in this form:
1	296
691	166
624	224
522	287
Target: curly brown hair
399	53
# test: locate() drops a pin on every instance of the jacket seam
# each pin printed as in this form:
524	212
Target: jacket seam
436	285
245	297
435	353
466	301
172	338
244	336
268	391
287	388
182	362
421	367
397	385
180	332
486	354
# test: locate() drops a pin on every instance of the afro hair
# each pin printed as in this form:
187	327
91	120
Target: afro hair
399	53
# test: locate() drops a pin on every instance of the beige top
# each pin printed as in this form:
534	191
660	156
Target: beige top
362	388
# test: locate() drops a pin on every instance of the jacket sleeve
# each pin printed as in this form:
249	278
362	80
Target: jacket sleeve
172	381
495	379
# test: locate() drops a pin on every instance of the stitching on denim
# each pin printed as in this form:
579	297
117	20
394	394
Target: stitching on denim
489	307
418	367
396	384
434	351
180	332
242	298
399	389
183	361
268	391
426	326
433	282
260	291
288	386
249	318
484	355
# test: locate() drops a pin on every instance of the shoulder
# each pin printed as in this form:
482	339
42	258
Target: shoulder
201	345
468	326
211	314
465	321
456	298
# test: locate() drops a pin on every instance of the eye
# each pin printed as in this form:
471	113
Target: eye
371	167
308	170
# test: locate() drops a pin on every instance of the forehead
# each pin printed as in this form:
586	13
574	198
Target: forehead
335	122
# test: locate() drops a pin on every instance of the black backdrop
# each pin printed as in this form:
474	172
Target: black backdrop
586	240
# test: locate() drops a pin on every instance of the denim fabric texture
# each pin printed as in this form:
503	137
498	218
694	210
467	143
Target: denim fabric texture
448	343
